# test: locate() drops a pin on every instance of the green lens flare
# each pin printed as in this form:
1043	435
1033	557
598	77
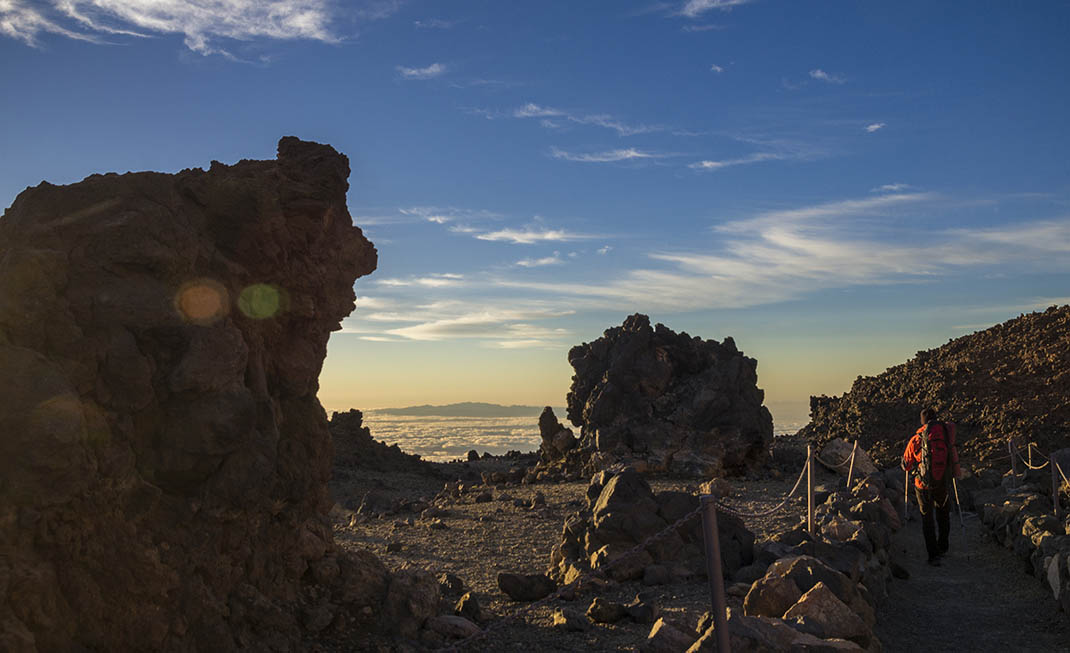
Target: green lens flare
259	301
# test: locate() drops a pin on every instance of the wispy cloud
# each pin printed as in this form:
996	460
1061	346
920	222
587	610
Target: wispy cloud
532	110
610	156
701	28
540	262
604	250
435	23
822	76
202	24
694	8
790	253
441	280
891	188
447	215
427	72
717	69
757	157
531	236
876	126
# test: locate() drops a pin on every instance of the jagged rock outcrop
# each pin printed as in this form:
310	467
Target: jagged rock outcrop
1009	380
355	448
163	456
557	439
676	403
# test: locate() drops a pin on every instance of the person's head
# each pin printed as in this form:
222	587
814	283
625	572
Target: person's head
927	415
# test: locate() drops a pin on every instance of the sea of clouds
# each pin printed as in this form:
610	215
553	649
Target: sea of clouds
441	439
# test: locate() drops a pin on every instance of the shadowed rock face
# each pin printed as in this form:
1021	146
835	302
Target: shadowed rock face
678	403
1012	379
163	456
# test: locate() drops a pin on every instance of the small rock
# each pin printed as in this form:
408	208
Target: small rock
452	626
738	589
484	497
473	456
605	612
451	584
394	547
666	637
642	610
538	500
570	619
521	587
467	606
438	525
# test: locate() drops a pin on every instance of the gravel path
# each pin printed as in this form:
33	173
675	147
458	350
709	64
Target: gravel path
979	599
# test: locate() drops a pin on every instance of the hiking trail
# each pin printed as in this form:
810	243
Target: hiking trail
979	599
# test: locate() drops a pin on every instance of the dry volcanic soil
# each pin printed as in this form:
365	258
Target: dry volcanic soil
475	539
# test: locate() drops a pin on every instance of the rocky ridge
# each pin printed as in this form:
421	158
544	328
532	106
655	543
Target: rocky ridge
1012	379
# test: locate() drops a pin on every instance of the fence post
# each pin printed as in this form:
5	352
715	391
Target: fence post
1029	453
851	469
1055	485
810	489
714	570
1014	461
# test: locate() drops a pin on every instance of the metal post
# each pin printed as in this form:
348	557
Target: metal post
810	489
1029	453
906	493
1014	460
851	469
714	571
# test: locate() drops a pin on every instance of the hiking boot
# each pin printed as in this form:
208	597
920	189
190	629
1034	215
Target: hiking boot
934	561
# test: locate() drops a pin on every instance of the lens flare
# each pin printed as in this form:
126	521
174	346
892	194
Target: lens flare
201	302
260	301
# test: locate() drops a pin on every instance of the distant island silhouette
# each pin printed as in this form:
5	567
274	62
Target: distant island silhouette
463	409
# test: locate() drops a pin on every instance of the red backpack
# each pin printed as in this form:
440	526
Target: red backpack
936	444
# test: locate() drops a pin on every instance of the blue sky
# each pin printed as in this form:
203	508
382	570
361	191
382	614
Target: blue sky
835	184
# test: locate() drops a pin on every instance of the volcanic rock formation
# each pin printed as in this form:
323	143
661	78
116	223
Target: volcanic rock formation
676	403
1012	379
163	456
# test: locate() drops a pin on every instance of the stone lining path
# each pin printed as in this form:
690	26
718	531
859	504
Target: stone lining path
979	599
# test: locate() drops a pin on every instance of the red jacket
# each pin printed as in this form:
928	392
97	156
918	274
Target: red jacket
912	455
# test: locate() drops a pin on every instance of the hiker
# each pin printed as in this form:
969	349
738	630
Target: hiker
928	456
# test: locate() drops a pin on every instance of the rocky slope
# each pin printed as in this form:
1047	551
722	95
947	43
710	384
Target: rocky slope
675	403
1010	380
163	457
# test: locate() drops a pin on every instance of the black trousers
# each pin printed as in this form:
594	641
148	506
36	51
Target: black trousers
935	500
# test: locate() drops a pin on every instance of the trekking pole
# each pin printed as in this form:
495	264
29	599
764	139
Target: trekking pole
955	484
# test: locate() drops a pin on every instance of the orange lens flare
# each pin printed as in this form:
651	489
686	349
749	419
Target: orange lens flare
202	302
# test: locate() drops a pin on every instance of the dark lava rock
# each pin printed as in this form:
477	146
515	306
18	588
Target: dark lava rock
521	587
677	403
161	340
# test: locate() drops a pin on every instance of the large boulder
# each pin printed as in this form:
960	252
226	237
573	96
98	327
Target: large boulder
677	403
626	513
163	456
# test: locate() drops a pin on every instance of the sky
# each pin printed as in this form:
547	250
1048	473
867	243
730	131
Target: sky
836	185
